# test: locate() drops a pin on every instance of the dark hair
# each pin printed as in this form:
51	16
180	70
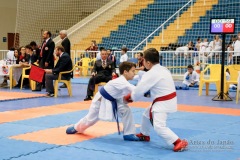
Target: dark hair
33	43
124	49
126	66
60	48
141	54
29	47
101	48
151	55
49	33
190	66
110	50
12	49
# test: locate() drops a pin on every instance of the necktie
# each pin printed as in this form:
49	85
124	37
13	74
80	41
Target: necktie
44	44
104	64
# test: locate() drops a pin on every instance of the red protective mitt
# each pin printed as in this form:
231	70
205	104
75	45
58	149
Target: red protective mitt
127	98
114	77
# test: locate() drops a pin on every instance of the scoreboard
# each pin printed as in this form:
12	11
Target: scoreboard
219	26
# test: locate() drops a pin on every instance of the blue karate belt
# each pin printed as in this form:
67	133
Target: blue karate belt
107	96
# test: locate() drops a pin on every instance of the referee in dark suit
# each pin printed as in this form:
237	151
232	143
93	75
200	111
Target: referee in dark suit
66	45
65	41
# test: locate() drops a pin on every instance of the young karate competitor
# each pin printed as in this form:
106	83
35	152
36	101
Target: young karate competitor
190	79
160	83
108	103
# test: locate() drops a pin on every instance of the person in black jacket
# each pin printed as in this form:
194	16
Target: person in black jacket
66	45
103	71
64	64
65	41
46	57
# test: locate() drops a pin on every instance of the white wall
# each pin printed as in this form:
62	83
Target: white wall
8	10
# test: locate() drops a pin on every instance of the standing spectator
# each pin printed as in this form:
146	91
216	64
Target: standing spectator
124	56
230	49
217	44
236	56
46	58
65	42
64	64
92	47
67	47
103	71
111	57
36	49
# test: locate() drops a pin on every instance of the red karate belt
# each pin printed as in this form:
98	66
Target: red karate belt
163	98
36	74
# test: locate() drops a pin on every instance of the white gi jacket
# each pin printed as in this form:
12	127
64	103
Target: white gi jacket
160	83
123	58
117	88
193	78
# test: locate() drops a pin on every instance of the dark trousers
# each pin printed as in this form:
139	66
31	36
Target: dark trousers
95	80
25	81
43	84
49	78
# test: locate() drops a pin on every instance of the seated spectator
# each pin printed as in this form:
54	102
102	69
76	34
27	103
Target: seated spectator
103	71
191	79
230	49
32	58
124	56
92	47
23	61
184	49
36	49
64	64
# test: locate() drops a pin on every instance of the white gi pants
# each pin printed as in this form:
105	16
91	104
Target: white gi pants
91	118
159	124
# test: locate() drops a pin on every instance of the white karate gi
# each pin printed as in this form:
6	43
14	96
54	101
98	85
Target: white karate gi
183	49
209	49
117	88
202	51
123	58
193	78
160	83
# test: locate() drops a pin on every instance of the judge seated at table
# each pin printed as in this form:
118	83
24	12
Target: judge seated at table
26	61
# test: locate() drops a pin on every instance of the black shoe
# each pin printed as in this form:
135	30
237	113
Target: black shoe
63	86
17	86
49	95
37	90
88	98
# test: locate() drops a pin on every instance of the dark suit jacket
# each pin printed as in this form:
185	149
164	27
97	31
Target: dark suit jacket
64	64
47	54
66	45
104	71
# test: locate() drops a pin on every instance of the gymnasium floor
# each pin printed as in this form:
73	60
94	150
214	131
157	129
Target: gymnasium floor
33	128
